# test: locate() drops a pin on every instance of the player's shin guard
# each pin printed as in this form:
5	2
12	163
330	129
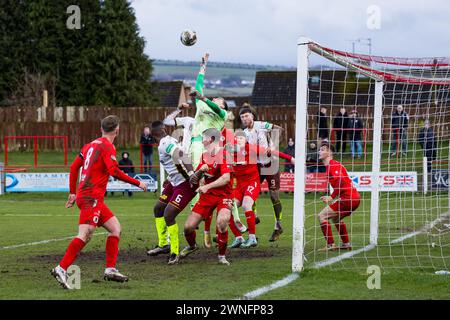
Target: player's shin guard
251	224
326	229
174	241
277	208
112	251
235	212
254	209
161	229
222	241
74	248
208	223
233	228
342	229
190	238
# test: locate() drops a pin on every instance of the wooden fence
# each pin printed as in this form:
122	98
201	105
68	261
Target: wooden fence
82	124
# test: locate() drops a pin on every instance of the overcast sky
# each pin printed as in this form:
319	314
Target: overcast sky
266	31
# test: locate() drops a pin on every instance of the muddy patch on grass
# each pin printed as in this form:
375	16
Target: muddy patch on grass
139	255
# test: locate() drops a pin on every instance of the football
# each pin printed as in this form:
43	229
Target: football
188	37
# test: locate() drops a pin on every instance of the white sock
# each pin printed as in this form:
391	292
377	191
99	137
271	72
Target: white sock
277	224
58	267
240	238
252	236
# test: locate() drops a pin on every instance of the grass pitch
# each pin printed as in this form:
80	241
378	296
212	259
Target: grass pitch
407	268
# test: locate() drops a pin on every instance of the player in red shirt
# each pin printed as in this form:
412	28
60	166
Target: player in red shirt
343	201
248	187
215	168
227	138
98	161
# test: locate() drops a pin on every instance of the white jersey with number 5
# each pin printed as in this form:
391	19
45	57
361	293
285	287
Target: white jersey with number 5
166	147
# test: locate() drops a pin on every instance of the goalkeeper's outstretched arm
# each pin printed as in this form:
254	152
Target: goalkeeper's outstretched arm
201	74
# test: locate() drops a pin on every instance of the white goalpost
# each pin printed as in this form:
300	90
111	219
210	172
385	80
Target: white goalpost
394	114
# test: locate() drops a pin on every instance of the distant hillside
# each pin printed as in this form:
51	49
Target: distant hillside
221	65
222	77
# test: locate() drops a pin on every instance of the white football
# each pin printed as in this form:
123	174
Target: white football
188	38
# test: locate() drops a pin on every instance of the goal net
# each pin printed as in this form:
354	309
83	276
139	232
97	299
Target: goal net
388	119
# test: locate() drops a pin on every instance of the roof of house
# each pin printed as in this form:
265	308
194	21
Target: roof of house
237	101
274	88
169	93
332	87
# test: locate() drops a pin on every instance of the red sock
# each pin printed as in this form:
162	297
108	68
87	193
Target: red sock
342	229
112	251
74	248
222	240
208	223
326	229
233	228
190	238
251	224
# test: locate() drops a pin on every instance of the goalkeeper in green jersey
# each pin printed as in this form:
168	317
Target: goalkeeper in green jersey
209	114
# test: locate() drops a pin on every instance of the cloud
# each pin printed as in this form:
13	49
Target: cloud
265	31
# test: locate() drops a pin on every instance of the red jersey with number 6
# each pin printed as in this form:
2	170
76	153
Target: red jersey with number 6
98	161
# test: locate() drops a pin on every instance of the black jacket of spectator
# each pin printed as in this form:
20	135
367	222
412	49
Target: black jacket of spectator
313	161
322	121
146	142
356	125
312	157
290	150
322	125
428	142
399	120
126	165
340	121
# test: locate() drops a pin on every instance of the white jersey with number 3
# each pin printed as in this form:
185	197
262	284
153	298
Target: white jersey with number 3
166	147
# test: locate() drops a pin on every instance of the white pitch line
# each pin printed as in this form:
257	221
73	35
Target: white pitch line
293	276
43	242
280	283
423	229
341	257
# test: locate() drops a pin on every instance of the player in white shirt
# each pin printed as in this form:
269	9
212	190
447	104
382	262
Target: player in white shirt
258	133
177	192
187	123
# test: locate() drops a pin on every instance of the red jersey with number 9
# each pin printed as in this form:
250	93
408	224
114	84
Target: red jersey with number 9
98	161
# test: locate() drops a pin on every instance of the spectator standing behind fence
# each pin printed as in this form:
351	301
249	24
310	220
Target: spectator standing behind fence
126	165
147	142
322	124
290	150
427	141
399	128
313	163
356	127
340	125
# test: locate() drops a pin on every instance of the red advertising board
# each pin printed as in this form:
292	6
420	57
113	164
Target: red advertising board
315	182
